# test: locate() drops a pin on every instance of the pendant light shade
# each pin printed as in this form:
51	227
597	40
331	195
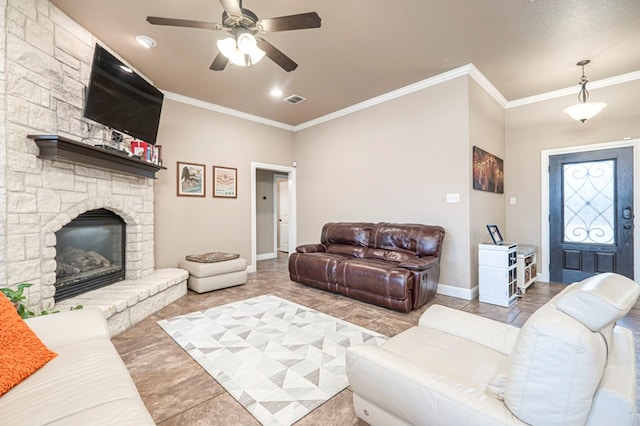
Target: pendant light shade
584	110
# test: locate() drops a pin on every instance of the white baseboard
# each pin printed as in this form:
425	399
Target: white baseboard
266	256
459	292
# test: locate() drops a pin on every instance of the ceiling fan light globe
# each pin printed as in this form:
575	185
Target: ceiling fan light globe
256	55
584	111
246	43
227	47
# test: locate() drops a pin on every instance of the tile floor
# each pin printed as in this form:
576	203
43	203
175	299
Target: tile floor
177	391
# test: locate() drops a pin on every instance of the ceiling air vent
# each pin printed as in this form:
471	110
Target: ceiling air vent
294	99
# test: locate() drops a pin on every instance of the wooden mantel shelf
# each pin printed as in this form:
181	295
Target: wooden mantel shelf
54	147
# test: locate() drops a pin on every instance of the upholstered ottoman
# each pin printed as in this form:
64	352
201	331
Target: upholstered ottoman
205	277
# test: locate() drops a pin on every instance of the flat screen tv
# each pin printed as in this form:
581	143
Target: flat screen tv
119	98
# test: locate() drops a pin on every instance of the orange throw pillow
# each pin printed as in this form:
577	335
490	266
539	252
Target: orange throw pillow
22	353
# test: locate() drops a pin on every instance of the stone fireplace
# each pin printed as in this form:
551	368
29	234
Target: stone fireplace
42	84
68	215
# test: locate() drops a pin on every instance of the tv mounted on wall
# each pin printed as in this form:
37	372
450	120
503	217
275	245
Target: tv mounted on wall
119	98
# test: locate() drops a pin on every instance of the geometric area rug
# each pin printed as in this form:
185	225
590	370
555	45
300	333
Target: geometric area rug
280	360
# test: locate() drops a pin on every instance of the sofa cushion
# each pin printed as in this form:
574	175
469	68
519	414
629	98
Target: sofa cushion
86	384
375	276
347	250
352	233
397	255
22	353
315	269
598	301
421	240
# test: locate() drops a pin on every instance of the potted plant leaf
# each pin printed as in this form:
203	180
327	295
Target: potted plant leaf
18	298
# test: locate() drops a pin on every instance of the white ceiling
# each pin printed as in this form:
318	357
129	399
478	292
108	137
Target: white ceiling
366	48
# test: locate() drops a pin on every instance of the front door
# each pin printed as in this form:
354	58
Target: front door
591	214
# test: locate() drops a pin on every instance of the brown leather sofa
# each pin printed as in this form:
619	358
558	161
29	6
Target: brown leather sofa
389	264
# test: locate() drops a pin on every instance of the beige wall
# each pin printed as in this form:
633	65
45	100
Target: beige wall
486	131
188	225
393	162
541	126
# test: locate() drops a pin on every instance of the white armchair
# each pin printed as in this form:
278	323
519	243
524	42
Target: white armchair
568	365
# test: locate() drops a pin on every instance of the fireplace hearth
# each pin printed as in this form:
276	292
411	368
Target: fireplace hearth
90	253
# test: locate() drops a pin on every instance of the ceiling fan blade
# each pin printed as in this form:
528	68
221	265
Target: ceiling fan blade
155	20
219	63
285	62
232	7
291	22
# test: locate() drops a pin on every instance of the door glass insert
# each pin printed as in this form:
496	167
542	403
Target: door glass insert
588	190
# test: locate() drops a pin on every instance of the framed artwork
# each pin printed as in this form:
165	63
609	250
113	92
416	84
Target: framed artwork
191	180
488	171
495	234
225	182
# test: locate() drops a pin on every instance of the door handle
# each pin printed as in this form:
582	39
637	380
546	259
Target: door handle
627	213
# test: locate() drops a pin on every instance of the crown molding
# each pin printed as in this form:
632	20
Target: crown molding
487	85
468	69
224	110
611	81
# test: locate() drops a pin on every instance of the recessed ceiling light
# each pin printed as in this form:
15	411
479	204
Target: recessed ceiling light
276	93
146	41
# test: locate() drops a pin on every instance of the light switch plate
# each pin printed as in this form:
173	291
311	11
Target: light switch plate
453	198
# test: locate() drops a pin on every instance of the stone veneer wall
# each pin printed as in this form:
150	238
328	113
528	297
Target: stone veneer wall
43	71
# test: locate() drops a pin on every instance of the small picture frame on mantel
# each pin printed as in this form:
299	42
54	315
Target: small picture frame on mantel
495	234
225	182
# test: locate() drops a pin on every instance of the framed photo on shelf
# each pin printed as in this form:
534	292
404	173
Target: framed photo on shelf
225	182
495	234
191	179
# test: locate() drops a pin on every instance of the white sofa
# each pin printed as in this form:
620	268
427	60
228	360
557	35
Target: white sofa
568	365
86	384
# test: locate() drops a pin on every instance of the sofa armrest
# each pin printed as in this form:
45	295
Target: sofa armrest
63	328
493	334
311	248
419	264
416	395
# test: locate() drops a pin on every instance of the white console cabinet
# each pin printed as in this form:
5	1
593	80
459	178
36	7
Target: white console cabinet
527	267
498	273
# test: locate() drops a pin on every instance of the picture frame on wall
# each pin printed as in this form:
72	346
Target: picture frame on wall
488	171
495	234
191	179
225	182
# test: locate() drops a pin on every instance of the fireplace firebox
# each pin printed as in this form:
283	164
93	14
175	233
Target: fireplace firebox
90	253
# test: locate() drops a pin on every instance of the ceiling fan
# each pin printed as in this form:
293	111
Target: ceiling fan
244	48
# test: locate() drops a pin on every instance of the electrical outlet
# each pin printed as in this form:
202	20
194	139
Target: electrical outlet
453	198
512	201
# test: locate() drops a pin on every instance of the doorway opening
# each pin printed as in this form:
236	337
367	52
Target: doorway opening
273	211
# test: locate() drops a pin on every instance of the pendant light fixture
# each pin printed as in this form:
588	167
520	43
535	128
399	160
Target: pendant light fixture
584	110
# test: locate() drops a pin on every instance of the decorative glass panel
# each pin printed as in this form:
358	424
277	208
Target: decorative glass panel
588	202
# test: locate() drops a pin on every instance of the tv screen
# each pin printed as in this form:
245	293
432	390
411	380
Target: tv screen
119	98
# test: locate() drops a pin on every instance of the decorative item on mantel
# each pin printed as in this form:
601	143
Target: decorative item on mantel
60	148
